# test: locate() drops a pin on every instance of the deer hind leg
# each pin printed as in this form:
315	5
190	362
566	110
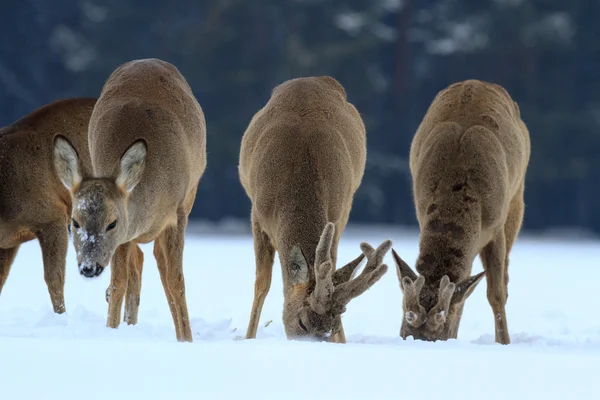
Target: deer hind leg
7	256
54	242
160	254
264	254
512	226
493	258
134	285
118	283
174	243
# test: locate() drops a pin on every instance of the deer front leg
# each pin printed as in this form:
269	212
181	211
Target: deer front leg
160	254
264	254
54	241
134	285
174	243
339	336
493	258
118	284
7	256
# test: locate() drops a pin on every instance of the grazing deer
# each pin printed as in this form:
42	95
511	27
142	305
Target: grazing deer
468	161
33	202
147	140
301	160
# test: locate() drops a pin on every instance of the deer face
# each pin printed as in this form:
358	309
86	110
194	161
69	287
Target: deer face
301	321
99	220
431	310
313	307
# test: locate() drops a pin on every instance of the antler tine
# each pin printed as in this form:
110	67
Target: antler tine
441	308
347	272
412	307
321	296
375	257
345	292
323	251
372	272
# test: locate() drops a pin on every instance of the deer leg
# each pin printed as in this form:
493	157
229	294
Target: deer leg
339	336
264	254
134	285
54	242
493	258
161	261
175	239
118	284
458	313
7	256
512	226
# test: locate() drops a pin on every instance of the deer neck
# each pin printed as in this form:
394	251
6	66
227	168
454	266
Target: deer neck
303	232
443	254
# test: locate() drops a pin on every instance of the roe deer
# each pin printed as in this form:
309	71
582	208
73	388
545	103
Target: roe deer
147	140
468	161
33	202
301	160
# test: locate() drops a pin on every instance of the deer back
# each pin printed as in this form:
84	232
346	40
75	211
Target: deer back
30	192
470	153
150	100
302	158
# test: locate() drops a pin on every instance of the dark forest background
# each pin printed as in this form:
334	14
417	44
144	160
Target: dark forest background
392	56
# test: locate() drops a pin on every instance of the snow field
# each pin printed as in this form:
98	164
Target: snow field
554	327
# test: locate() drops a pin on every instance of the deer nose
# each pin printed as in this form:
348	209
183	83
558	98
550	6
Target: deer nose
91	270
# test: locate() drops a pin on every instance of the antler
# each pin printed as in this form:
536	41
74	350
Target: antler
413	311
411	286
440	310
372	272
333	291
321	296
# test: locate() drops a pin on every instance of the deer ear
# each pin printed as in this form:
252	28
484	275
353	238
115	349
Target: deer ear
347	272
133	163
66	163
466	287
403	270
298	267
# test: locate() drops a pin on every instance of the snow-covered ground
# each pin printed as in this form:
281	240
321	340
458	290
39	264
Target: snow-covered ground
552	314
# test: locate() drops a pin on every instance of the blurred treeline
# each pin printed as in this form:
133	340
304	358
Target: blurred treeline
392	56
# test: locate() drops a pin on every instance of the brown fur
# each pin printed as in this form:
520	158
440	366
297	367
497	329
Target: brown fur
33	202
468	161
302	159
147	138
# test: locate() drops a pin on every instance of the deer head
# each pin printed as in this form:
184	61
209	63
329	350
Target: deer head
99	220
313	307
432	310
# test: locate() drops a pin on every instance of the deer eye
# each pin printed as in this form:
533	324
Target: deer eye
75	224
302	325
111	226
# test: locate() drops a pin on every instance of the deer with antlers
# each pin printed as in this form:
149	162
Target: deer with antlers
147	140
33	202
468	162
301	161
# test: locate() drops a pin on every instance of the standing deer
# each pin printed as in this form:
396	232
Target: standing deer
147	140
33	202
468	161
301	160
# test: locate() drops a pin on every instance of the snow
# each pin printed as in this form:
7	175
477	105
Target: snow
555	332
